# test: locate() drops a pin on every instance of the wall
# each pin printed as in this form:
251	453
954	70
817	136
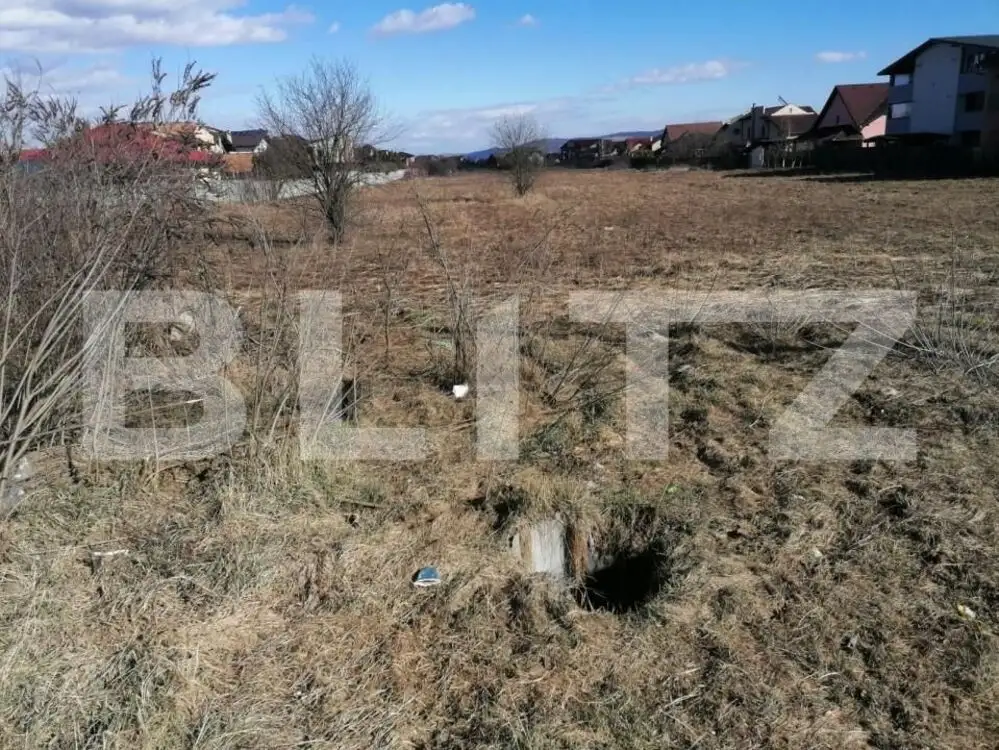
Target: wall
934	89
875	128
789	109
248	190
836	110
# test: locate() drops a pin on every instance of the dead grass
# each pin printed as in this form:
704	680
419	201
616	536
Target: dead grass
267	603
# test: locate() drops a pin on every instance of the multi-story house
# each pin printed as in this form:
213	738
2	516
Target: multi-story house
768	125
586	149
938	90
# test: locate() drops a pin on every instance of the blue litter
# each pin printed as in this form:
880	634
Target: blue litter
426	577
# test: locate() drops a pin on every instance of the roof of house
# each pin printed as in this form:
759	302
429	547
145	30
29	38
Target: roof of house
794	125
181	128
906	63
287	141
117	142
677	131
33	154
863	101
247	138
582	142
770	112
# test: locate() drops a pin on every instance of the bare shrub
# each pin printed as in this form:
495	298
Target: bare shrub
956	328
328	110
109	203
520	141
460	301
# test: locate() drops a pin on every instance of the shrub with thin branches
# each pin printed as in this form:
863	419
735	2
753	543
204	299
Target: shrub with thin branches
520	142
109	201
325	113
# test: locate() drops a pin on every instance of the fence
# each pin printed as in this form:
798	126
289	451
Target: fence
891	160
250	190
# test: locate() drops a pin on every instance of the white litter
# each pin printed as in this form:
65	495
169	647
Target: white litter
460	391
966	613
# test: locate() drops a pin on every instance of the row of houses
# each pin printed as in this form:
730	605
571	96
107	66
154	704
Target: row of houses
206	147
946	91
757	125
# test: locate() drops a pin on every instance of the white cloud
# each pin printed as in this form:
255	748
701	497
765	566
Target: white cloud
334	27
689	73
437	18
41	26
527	20
66	81
840	57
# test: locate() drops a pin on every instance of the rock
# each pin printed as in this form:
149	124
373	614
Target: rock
542	547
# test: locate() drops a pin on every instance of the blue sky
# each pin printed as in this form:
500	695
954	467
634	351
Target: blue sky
445	72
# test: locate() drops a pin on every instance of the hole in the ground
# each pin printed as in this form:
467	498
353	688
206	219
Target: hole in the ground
624	582
350	395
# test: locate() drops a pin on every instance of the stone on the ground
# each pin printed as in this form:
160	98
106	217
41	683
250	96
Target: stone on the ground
542	547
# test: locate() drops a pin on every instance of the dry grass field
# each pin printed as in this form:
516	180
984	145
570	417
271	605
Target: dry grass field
266	602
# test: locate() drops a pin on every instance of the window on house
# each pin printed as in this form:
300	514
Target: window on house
974	102
900	110
901	79
973	62
837	119
971	138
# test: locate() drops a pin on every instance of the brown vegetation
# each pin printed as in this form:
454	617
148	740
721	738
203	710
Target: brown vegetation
264	602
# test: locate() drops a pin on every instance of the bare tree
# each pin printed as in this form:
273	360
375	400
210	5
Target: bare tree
520	141
330	110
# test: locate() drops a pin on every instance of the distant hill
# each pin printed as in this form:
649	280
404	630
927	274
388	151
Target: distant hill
554	144
551	145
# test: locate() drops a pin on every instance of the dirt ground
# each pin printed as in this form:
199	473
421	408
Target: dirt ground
262	601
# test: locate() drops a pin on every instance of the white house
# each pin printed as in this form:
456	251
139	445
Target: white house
201	137
939	89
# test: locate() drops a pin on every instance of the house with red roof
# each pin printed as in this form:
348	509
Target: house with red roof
689	137
123	145
854	113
